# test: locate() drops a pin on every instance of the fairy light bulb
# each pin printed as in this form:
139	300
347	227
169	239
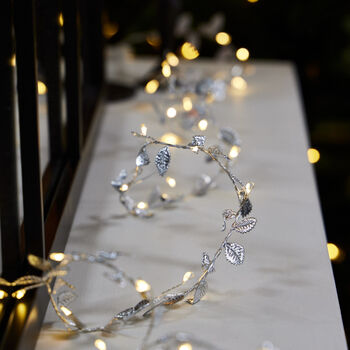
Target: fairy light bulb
166	70
238	83
142	205
187	103
152	86
42	89
142	286
124	188
248	187
313	155
60	19
13	60
188	275
172	59
223	38
57	256
65	310
242	54
234	152
195	149
143	130
333	251
171	181
171	112
185	346
189	51
203	124
171	138
19	294
100	344
3	294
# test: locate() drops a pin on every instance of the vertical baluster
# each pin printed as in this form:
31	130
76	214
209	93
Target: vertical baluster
29	129
73	77
10	240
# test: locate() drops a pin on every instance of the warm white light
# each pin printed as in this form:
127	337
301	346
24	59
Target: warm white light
223	38
60	19
187	103
142	286
65	310
143	129
124	187
19	294
57	256
153	39
142	205
238	83
13	60
195	149
189	51
188	275
185	346
152	86
172	59
166	70
165	196
3	294
110	29
253	1
171	112
203	124
333	251
41	88
234	152
171	181
100	344
313	155
242	54
248	187
171	138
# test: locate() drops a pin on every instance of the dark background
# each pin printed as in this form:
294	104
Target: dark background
315	35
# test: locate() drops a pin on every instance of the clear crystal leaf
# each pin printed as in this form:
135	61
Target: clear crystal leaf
199	293
65	298
39	263
206	263
245	225
229	214
162	160
142	158
234	253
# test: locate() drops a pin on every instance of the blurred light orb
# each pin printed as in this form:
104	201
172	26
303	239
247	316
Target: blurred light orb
143	128
234	152
189	51
185	346
171	138
187	103
172	59
313	155
152	86
252	1
142	205
166	70
171	112
153	39
42	89
203	124
110	29
238	83
100	344
60	19
57	256
171	181
223	38
142	286
333	251
242	54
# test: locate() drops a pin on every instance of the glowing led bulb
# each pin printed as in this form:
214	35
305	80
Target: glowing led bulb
60	19
171	112
234	152
195	149
19	294
166	70
65	310
185	346
13	60
188	275
242	54
3	294
187	103
238	83
203	124
171	181
223	38
41	88
189	51
248	187
333	251
313	155
142	205
123	187
172	59
57	256
171	138
142	286
143	129
100	344
152	86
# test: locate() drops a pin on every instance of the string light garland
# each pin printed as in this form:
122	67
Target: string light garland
148	305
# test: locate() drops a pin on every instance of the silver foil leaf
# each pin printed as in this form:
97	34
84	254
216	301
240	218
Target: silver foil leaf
206	263
142	158
162	160
202	185
107	255
128	202
197	140
65	298
246	207
234	253
126	314
216	151
218	90
117	277
141	305
229	136
229	214
199	293
173	298
119	180
245	225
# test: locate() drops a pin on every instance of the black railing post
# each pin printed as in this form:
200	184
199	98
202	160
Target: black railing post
24	23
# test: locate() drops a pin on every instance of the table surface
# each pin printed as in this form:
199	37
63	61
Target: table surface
283	293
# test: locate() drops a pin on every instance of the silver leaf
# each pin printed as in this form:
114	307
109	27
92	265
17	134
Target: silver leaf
173	298
207	263
119	180
199	293
245	225
107	255
128	202
162	160
229	214
229	136
65	298
234	253
142	158
197	140
202	185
